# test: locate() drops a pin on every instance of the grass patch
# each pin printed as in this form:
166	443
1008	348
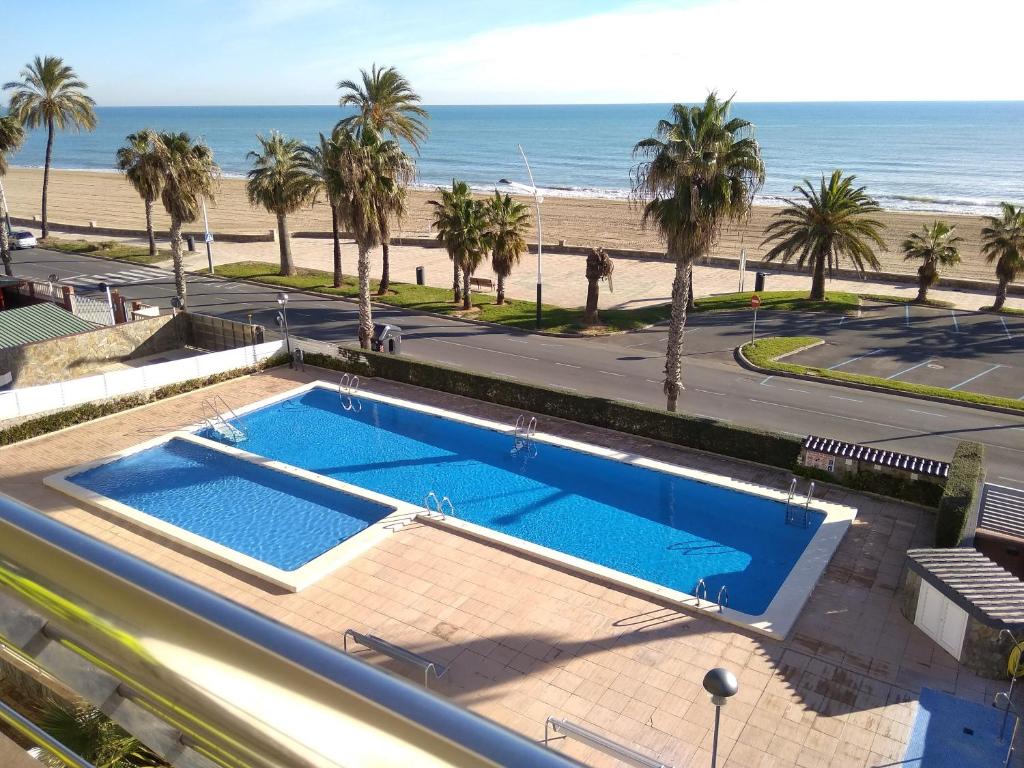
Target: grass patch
110	249
764	353
1004	311
837	301
903	300
425	298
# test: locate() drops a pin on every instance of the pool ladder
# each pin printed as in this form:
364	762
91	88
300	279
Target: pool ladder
799	514
348	388
701	593
435	507
214	410
523	432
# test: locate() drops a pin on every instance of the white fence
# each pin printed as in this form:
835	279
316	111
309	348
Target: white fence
96	311
27	401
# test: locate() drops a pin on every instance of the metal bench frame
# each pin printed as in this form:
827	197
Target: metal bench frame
620	752
396	652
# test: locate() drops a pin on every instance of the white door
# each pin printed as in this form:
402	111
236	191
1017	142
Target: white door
941	619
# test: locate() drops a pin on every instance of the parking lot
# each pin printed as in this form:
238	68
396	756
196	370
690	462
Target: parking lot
954	349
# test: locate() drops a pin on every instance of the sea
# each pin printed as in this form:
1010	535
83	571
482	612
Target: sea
958	157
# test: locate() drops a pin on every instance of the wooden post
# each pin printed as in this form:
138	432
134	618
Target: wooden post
69	297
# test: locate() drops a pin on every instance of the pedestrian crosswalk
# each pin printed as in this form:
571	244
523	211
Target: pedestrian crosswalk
133	276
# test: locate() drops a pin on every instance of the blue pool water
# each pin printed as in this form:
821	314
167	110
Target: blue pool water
274	517
655	526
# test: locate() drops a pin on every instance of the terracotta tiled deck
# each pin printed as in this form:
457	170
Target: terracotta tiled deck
525	640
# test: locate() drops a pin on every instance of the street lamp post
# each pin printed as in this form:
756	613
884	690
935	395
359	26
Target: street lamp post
721	684
208	238
282	319
537	199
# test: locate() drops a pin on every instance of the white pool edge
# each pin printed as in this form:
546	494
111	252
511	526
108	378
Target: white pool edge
776	621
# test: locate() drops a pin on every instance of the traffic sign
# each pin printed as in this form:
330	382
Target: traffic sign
755	301
209	237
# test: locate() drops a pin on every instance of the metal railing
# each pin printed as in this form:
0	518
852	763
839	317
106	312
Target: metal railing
620	752
205	682
29	730
396	652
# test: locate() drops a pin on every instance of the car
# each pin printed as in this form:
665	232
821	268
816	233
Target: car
23	239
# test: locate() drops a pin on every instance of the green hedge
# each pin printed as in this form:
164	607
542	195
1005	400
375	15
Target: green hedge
690	431
921	492
80	414
960	497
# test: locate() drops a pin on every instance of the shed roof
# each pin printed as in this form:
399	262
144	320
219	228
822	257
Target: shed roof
38	322
990	594
870	455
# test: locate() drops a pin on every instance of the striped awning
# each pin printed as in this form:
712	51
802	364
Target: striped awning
990	594
904	461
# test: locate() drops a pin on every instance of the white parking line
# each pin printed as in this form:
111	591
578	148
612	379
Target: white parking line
956	323
906	310
851	399
655	381
517	341
802	391
567	365
485	349
611	373
908	370
765	382
548	344
709	392
978	376
1011	479
927	413
1005	329
853	359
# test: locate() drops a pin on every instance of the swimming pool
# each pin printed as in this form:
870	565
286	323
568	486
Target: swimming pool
645	524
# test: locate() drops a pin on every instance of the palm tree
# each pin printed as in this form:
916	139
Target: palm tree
88	732
507	223
445	212
11	136
371	169
387	103
461	223
700	170
323	164
138	160
51	94
824	226
189	174
280	182
599	267
934	246
1002	241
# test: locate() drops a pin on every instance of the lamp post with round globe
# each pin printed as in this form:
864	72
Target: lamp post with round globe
721	684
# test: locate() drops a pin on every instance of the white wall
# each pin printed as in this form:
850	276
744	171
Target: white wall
27	401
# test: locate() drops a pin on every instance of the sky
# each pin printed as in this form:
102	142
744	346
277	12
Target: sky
200	52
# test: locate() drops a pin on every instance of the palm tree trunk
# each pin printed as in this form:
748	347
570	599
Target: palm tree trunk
336	232
5	241
365	311
501	290
690	306
456	282
818	278
385	269
46	171
1000	294
467	299
285	244
924	279
149	226
676	329
590	314
179	267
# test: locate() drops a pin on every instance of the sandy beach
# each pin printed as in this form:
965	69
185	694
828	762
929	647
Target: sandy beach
78	197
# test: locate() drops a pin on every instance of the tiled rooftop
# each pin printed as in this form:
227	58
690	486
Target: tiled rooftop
525	640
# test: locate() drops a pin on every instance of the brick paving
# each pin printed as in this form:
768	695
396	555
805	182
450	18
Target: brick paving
525	640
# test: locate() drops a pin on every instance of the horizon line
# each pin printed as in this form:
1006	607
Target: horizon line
585	103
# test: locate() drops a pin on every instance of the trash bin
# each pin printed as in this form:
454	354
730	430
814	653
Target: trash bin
420	279
191	240
386	338
759	279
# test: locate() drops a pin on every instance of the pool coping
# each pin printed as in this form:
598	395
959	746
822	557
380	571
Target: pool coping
776	621
294	580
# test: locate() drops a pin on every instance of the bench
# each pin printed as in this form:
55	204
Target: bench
396	652
481	284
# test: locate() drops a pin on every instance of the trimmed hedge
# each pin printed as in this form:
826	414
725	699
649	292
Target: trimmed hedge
921	492
704	434
80	414
963	485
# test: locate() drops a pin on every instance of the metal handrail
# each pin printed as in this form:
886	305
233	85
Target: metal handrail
620	752
440	507
41	738
191	653
701	588
723	592
396	652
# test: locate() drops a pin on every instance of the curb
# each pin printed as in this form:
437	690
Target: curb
744	362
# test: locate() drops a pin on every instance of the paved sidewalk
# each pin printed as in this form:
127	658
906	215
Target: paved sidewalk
636	283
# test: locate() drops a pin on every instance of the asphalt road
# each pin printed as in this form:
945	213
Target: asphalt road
629	367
